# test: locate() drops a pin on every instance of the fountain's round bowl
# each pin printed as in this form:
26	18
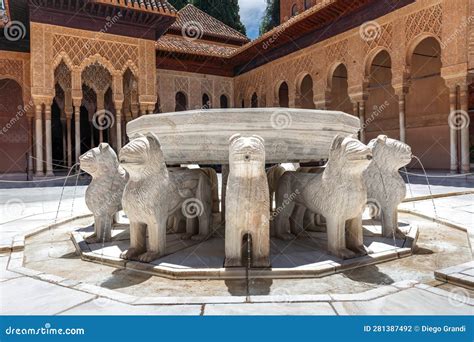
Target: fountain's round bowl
202	136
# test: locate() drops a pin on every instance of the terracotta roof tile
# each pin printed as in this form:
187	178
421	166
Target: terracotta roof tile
175	43
191	17
159	6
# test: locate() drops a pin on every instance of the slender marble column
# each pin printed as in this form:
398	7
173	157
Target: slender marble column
49	140
362	120
77	126
39	140
118	125
69	138
453	135
401	113
464	128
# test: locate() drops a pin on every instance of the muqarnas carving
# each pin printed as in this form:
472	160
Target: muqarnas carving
386	189
247	202
153	194
104	194
338	193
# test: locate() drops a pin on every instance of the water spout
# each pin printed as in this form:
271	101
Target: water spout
429	185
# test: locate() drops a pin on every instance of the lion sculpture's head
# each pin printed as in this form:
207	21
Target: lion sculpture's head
348	155
142	156
390	153
99	160
246	150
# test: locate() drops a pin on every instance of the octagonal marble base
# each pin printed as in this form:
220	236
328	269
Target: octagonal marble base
304	257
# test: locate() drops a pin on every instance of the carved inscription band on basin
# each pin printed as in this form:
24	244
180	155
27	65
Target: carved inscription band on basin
202	136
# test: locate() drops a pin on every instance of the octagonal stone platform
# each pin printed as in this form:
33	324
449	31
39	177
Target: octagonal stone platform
304	257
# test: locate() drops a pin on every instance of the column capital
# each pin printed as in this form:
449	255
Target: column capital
118	105
77	101
455	75
401	89
40	100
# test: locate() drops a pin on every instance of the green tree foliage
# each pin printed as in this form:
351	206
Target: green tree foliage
271	18
178	4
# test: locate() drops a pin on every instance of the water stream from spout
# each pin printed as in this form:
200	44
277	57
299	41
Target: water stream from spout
409	184
52	230
429	185
62	190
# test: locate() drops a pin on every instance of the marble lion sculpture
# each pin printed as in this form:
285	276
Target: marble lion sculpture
338	193
177	222
153	194
247	202
104	194
385	187
273	175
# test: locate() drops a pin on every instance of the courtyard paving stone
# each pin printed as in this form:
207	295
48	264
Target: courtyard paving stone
26	295
409	302
273	309
103	306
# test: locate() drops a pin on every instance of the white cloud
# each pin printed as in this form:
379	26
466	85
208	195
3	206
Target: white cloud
251	12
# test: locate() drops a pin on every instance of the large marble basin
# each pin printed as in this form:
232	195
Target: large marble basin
201	136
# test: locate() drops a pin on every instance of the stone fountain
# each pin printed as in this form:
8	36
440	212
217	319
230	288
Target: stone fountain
174	228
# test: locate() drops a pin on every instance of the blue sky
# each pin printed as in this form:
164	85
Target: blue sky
251	12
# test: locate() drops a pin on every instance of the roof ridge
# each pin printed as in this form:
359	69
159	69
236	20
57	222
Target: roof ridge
210	17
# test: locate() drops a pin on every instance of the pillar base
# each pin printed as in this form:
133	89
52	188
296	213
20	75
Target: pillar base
38	175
